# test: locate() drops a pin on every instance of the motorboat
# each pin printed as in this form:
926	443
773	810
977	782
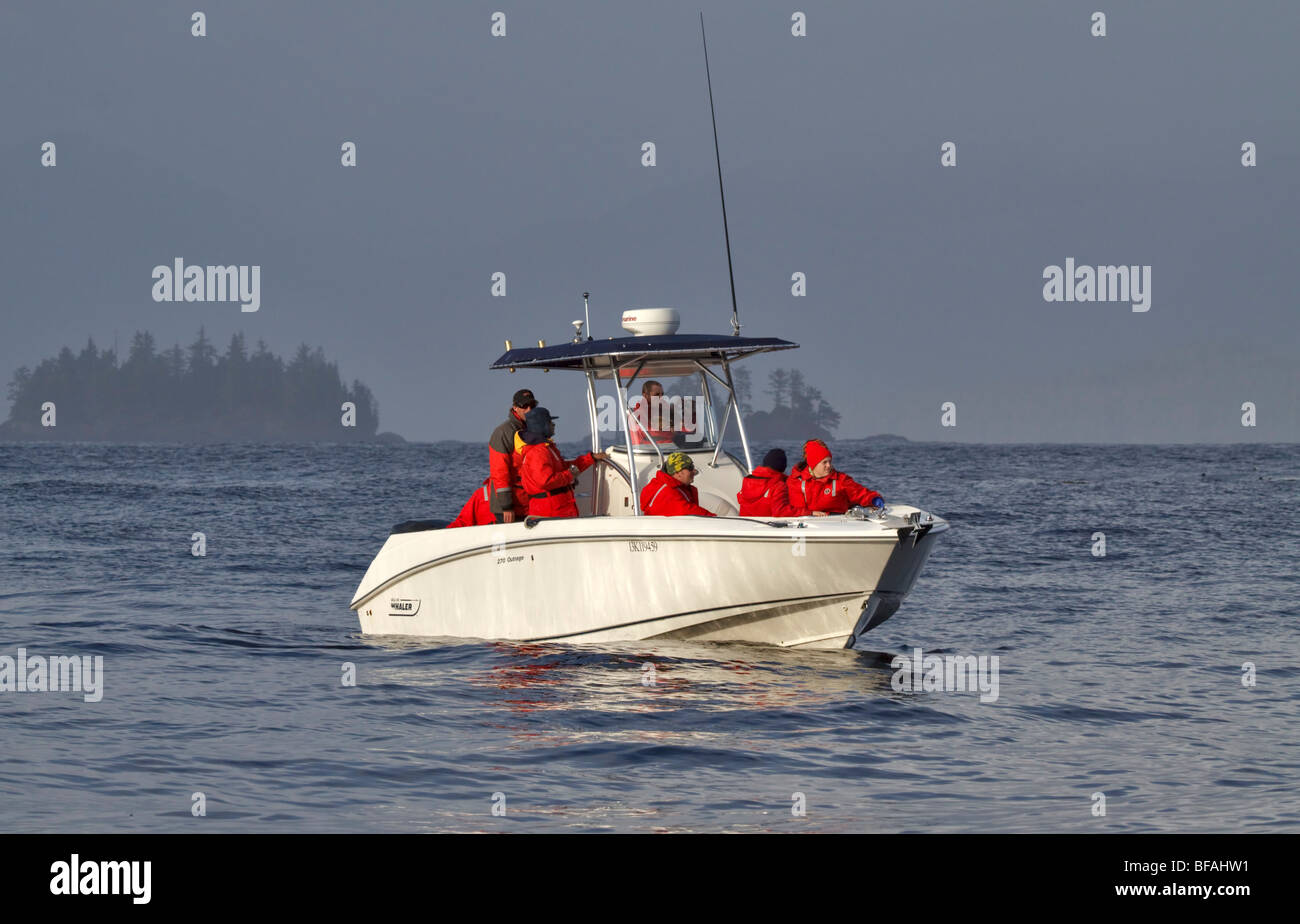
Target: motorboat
616	574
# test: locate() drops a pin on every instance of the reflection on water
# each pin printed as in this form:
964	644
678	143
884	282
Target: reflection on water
650	678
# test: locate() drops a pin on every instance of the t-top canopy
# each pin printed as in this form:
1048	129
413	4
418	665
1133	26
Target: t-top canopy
603	354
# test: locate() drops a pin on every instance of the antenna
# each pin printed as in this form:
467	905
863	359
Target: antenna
735	314
587	312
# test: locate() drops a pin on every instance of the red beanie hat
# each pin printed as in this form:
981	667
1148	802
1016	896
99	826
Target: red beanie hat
814	451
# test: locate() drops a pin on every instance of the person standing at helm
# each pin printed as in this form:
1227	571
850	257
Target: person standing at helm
818	489
764	493
546	477
670	493
507	501
653	412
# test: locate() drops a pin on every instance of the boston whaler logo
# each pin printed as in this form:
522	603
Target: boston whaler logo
948	674
103	877
403	607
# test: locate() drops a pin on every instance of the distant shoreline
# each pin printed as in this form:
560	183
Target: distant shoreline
389	439
191	395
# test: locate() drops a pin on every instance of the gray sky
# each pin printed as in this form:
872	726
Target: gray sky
522	155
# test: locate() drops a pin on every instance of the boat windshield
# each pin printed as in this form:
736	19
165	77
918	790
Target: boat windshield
664	413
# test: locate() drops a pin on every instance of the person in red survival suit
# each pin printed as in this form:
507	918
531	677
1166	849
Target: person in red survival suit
507	500
818	489
670	493
478	509
764	492
546	477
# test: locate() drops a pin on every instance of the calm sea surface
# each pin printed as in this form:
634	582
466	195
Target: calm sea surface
1119	675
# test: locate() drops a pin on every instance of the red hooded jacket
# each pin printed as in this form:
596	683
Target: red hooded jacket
665	496
764	493
478	509
835	493
542	470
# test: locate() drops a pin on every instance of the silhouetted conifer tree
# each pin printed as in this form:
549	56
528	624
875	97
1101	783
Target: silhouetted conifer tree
799	412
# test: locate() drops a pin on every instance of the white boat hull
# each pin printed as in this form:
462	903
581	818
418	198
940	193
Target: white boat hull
815	582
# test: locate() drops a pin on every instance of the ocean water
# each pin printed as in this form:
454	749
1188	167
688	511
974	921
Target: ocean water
1120	675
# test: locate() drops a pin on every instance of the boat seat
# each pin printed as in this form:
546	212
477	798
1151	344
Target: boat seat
717	505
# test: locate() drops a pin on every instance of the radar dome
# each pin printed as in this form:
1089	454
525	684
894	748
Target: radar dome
650	322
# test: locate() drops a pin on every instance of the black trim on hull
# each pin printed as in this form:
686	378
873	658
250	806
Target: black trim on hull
712	609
